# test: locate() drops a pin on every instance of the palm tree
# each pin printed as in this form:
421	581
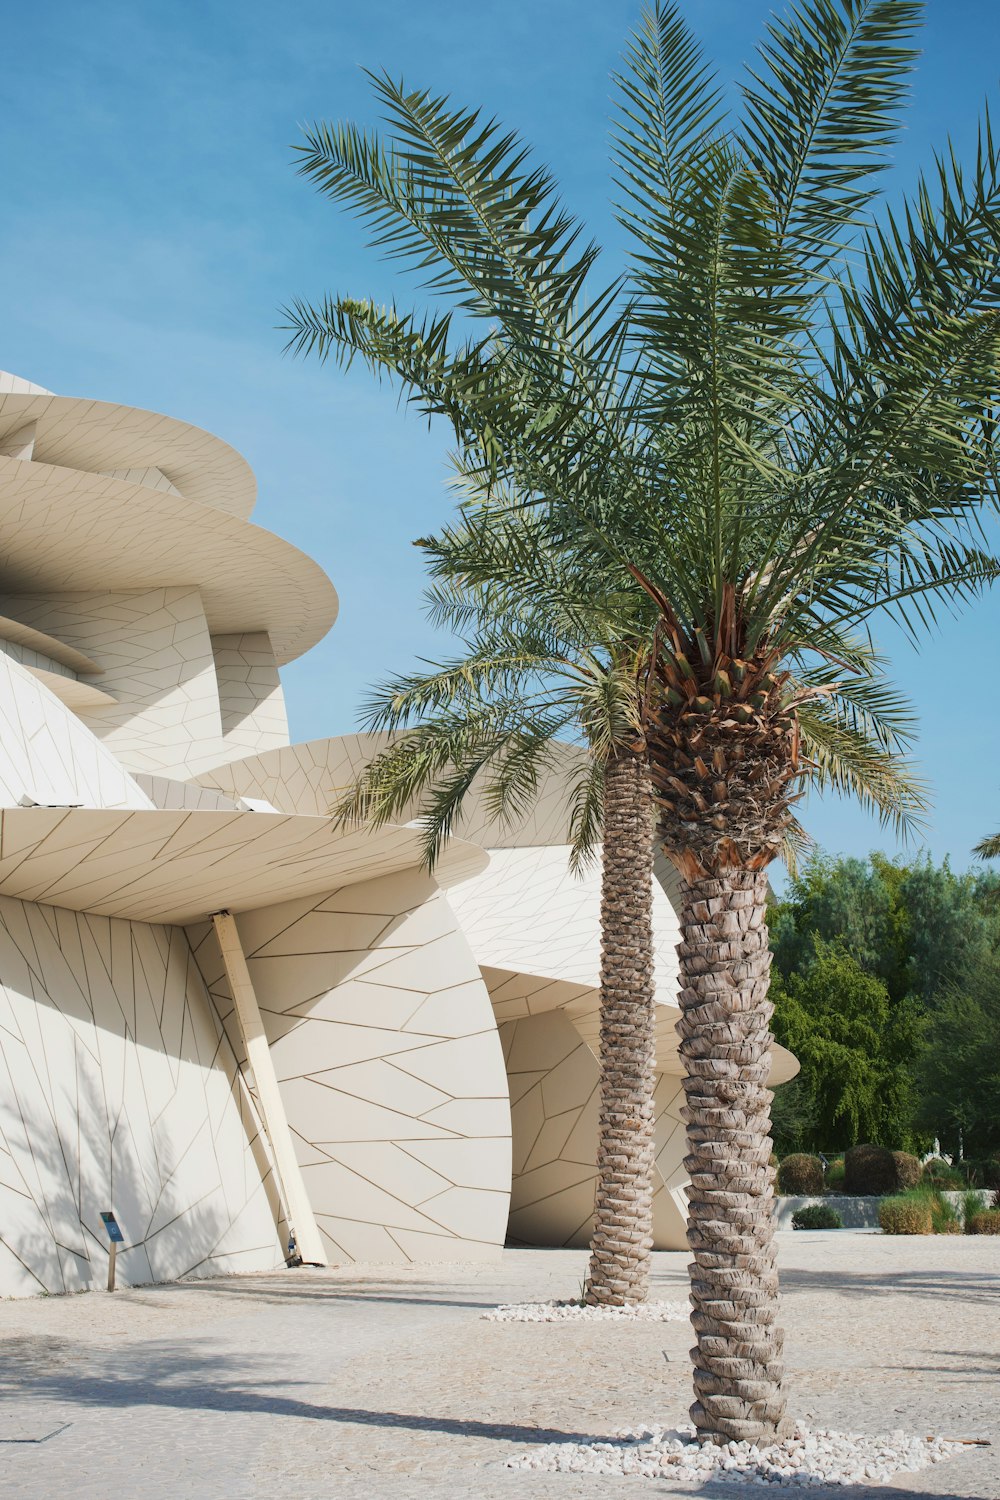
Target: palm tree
780	421
988	848
547	655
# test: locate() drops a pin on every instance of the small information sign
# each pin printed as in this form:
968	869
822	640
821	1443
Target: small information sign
117	1238
114	1229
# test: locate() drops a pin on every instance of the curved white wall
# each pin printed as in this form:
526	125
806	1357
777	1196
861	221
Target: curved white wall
390	1066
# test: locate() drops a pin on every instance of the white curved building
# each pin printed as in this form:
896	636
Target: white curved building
219	1016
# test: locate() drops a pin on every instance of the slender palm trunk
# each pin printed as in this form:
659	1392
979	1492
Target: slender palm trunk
726	1046
623	1215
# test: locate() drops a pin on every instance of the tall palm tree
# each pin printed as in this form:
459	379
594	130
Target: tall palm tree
547	654
988	848
780	421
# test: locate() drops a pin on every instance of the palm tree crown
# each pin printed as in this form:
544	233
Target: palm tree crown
779	420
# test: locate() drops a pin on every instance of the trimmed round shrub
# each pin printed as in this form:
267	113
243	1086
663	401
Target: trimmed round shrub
908	1170
905	1216
869	1171
800	1176
817	1216
987	1222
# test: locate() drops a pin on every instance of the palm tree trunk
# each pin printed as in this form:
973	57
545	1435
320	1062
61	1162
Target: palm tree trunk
623	1214
726	1046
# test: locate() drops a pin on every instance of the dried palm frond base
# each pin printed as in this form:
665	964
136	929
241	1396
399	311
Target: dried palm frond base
724	774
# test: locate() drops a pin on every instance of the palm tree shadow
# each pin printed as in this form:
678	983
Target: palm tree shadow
197	1382
75	1153
967	1286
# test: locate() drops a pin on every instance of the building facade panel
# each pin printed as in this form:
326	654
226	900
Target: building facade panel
384	1044
119	1091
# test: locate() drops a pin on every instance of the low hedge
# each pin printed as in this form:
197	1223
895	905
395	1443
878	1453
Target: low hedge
987	1222
869	1171
800	1176
817	1216
905	1216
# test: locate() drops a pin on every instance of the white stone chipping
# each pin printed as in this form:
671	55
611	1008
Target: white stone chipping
578	1312
809	1457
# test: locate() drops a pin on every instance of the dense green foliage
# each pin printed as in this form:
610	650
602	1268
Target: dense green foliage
958	1074
887	987
983	1172
817	1216
855	1048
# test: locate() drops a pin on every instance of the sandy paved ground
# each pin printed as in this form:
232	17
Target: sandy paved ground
364	1383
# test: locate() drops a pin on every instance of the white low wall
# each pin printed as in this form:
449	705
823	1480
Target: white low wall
857	1212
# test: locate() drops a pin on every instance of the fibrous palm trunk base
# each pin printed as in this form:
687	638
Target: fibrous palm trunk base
623	1215
726	1046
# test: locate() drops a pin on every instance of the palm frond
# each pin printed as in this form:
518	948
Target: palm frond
821	113
715	474
667	108
988	848
586	815
845	760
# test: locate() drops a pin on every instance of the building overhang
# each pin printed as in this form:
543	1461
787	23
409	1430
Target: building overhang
99	435
67	531
180	867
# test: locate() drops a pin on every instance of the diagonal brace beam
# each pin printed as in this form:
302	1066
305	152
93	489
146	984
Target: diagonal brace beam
298	1209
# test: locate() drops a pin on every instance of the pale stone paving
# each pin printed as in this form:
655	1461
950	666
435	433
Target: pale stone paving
363	1383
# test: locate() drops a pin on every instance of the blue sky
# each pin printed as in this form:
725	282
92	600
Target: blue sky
154	225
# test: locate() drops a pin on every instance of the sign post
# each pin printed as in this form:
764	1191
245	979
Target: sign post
117	1238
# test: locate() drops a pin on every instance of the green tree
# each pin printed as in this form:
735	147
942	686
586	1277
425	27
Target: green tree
958	1074
932	936
780	422
918	926
855	1049
852	901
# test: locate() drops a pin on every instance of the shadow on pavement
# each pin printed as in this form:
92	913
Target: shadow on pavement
966	1286
191	1385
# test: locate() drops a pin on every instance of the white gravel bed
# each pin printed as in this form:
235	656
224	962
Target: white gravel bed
809	1458
578	1312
